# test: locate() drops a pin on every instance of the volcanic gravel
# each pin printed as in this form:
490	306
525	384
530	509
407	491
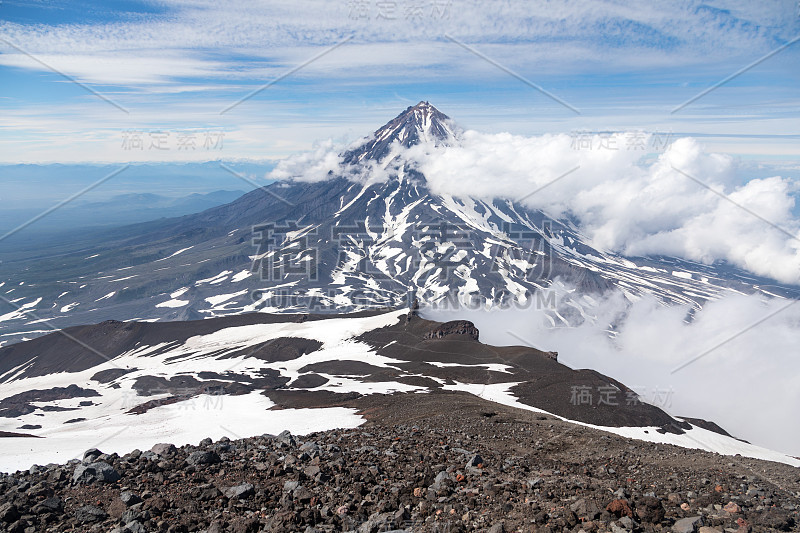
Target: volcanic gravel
446	462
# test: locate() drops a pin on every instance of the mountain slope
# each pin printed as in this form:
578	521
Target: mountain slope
136	384
345	244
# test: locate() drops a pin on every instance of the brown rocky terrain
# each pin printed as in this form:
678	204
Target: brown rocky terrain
442	461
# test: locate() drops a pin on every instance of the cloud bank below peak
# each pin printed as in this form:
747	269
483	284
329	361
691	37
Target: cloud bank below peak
713	367
682	202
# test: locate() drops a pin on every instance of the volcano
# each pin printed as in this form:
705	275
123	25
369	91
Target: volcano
371	235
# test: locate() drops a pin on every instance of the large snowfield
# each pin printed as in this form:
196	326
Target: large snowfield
107	424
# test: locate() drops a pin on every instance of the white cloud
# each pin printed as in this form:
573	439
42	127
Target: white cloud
316	165
210	54
255	37
686	203
748	385
120	68
325	161
629	206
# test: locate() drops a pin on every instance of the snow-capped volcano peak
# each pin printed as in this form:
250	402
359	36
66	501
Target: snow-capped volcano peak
355	244
422	123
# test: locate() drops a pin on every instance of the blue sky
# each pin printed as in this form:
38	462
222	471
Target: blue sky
174	65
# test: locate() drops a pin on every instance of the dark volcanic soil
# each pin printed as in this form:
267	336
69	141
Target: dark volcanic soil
445	462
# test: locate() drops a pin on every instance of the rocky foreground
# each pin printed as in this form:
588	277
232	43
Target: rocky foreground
446	462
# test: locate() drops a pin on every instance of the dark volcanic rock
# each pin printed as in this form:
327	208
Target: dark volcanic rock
342	367
20	404
429	463
688	525
475	460
14	434
49	505
129	498
91	454
309	381
89	514
203	457
109	375
585	508
95	472
285	437
179	385
454	327
245	490
8	512
705	424
650	509
281	349
163	449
